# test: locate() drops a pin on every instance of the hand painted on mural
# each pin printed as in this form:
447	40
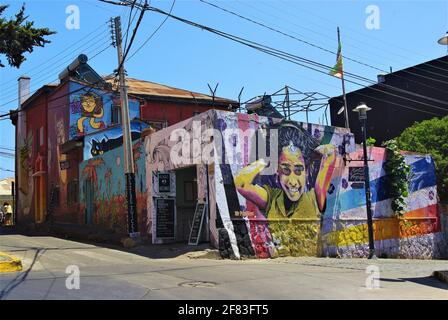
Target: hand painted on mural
160	157
92	109
299	192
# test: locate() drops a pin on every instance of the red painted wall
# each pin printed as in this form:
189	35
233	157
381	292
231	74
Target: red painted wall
35	121
51	112
58	128
170	111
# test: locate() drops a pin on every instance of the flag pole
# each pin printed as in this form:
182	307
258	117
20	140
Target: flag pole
343	87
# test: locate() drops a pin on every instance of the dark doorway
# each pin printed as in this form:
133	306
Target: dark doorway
186	200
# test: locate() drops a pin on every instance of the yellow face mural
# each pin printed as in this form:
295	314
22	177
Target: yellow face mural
295	195
92	109
88	103
291	172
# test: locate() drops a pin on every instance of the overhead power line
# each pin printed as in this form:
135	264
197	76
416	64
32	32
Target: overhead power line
130	22
47	77
153	33
368	41
87	39
345	57
134	32
378	53
31	93
7	154
307	63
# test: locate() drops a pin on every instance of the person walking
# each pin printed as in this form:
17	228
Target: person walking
7	213
2	216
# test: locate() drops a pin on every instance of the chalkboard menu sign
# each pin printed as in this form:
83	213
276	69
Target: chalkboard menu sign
164	182
356	174
165	218
196	226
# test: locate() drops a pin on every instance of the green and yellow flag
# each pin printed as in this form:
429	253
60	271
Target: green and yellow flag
337	70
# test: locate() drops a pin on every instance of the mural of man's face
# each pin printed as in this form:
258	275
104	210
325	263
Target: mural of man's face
291	171
88	103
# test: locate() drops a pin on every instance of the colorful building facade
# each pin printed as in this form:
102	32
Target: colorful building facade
310	203
270	187
61	127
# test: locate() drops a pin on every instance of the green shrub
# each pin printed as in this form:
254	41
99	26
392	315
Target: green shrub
430	137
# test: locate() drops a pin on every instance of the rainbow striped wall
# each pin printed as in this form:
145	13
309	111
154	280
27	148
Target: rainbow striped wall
417	234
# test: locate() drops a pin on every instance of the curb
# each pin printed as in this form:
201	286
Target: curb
9	263
441	276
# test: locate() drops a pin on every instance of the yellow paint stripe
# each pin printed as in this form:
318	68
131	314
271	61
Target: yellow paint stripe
383	229
9	263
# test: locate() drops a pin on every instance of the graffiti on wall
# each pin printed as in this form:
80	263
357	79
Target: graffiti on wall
102	189
91	110
25	180
416	235
278	213
312	200
158	148
101	142
314	204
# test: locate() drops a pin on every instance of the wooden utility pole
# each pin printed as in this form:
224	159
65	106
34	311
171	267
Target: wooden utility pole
347	125
127	139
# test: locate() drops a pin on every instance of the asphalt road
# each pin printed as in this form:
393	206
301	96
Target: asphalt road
107	273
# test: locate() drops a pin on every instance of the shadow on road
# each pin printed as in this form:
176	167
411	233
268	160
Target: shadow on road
428	281
146	249
424	281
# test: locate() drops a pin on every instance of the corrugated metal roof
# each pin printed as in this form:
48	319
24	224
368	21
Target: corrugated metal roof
147	88
5	186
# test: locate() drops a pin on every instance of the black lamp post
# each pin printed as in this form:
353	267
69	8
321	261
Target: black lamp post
362	112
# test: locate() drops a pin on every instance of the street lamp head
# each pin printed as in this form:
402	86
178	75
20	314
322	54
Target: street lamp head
362	109
444	40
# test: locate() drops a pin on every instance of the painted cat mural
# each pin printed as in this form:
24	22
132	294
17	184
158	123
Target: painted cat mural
99	147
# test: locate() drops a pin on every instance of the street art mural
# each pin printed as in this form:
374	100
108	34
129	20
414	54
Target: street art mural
301	196
101	142
91	110
417	234
277	213
25	165
158	147
296	191
102	190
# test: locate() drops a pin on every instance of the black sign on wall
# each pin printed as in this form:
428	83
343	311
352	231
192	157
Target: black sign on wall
64	165
165	218
164	182
356	174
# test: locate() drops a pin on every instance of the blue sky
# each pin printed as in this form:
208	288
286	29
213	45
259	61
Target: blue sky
185	57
